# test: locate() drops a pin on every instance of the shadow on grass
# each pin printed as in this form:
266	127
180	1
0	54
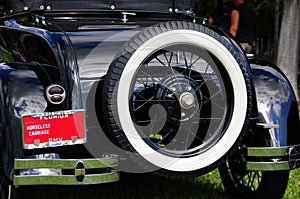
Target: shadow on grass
137	186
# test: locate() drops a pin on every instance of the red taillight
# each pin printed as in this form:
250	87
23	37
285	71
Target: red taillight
55	94
57	99
56	89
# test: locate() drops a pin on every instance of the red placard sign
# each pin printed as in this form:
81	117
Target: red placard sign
51	129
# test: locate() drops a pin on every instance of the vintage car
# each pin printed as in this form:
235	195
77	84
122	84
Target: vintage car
90	89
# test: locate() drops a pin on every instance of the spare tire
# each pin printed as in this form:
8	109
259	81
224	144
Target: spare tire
179	95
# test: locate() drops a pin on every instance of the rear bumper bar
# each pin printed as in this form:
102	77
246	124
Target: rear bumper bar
82	171
273	158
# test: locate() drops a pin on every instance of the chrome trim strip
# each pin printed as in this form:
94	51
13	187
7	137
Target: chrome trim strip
268	126
267	151
250	56
65	163
106	27
273	158
113	176
268	166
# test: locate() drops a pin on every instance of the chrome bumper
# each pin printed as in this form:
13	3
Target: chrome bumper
80	169
272	158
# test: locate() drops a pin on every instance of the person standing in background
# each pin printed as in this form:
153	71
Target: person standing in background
242	24
224	8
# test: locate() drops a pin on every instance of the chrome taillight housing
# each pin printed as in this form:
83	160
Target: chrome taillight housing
55	94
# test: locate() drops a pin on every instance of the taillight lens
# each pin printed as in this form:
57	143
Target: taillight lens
56	89
55	94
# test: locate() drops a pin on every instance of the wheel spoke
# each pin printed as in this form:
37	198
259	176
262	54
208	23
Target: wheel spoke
204	82
195	136
195	61
152	78
212	96
162	63
143	104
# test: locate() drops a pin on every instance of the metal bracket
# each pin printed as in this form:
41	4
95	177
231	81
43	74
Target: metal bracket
125	19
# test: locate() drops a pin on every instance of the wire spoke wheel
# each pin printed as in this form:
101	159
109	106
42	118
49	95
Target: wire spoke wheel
179	96
253	184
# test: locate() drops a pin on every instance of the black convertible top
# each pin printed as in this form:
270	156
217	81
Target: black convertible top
161	6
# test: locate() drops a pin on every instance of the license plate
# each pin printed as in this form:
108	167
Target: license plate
52	129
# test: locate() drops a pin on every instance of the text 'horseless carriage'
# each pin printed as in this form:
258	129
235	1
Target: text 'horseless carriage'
146	81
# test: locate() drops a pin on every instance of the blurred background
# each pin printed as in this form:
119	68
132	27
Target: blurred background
277	32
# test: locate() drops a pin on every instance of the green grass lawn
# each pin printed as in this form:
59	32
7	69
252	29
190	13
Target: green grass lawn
142	186
293	189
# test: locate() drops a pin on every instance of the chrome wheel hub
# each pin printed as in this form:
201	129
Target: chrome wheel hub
186	100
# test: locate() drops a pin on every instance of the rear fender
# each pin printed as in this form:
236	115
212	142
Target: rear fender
276	103
49	46
21	93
